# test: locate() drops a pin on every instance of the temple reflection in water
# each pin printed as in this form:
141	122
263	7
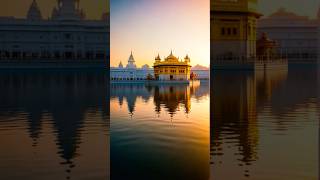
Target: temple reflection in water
67	102
159	131
168	97
251	109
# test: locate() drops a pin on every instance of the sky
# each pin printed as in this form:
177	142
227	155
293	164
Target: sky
300	7
149	27
19	8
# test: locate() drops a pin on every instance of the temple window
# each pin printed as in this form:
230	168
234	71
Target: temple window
229	31
235	32
223	31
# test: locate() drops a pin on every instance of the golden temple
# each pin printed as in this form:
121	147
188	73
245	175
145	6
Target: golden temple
172	68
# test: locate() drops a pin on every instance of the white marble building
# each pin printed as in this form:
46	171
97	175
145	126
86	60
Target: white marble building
131	72
296	35
66	36
201	72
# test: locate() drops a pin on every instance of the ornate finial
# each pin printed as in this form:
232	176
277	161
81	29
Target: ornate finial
158	58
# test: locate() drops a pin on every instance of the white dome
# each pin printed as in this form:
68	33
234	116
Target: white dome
131	62
120	65
146	66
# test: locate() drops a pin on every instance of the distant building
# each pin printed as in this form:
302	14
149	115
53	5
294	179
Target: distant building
66	36
201	72
172	68
130	72
233	29
297	36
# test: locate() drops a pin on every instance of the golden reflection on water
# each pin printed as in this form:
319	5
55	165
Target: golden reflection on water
164	126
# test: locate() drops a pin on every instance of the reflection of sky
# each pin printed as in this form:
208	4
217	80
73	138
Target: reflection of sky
149	27
151	145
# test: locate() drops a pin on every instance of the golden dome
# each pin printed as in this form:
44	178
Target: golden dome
172	58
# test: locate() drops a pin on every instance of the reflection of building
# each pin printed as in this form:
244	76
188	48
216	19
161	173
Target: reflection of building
67	35
233	28
234	113
130	93
171	68
130	72
172	97
62	99
236	99
297	35
168	97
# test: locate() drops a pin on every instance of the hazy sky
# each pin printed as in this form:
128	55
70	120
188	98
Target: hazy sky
149	27
19	8
301	7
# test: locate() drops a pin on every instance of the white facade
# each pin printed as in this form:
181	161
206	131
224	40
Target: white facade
130	72
297	36
67	35
201	72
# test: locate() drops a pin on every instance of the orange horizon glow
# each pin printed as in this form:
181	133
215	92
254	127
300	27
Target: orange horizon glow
152	27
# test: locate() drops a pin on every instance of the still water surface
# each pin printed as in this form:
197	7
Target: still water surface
264	125
159	131
53	125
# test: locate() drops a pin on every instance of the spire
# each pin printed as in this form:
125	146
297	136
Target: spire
131	59
34	12
131	62
158	58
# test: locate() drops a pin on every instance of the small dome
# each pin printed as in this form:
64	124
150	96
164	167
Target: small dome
146	66
120	65
187	59
158	58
